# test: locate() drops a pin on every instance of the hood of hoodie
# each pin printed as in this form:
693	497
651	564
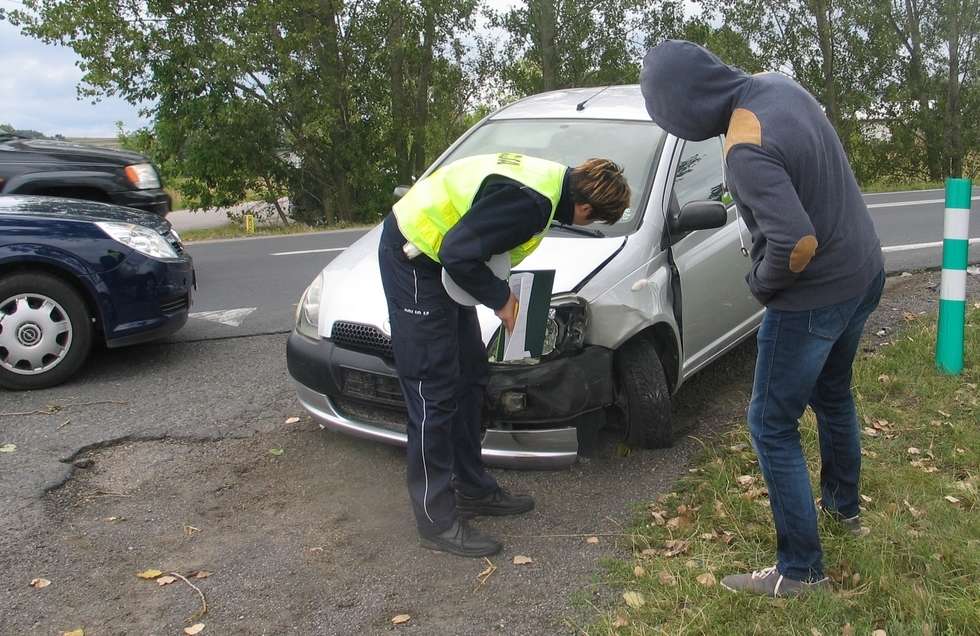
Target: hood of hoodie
688	91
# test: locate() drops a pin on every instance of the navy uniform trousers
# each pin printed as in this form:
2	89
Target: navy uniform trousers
442	367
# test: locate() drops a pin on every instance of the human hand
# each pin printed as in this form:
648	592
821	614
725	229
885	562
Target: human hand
508	313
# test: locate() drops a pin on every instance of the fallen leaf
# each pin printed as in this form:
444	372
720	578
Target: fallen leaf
149	574
675	523
39	584
913	511
639	571
650	552
912	450
745	480
870	432
276	451
675	547
634	599
720	508
884	379
815	632
879	632
738	448
401	619
855	578
200	574
691	564
520	559
951	499
8	448
592	540
196	628
959	451
292	420
707	579
866	499
667	578
658	518
620	621
166	580
74	632
847	630
707	536
487	572
944	413
682	510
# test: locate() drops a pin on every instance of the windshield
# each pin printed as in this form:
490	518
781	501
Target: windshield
634	145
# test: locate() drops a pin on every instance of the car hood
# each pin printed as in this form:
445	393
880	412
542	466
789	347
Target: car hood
76	153
352	282
79	210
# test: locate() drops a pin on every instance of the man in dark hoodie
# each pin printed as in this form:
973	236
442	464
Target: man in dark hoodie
817	266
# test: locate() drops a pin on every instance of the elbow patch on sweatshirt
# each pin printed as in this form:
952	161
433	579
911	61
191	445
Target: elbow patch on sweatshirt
743	128
803	253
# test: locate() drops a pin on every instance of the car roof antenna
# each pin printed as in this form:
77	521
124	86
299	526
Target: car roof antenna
581	105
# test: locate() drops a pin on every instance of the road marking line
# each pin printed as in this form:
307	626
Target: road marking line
895	204
921	246
230	317
326	249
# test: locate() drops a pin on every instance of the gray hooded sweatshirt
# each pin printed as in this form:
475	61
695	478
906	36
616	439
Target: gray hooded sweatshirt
813	242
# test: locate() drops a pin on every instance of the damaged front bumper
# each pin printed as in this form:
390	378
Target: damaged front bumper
535	414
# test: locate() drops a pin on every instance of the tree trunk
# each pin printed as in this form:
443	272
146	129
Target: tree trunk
422	90
544	16
399	90
920	92
339	198
953	119
822	10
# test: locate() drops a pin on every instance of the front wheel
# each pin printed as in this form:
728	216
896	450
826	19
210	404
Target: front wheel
45	331
643	386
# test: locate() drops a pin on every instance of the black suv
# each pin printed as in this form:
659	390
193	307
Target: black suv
60	169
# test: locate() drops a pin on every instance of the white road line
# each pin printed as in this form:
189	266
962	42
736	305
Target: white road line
920	246
896	204
326	249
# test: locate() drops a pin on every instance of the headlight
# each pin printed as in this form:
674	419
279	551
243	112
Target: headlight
142	239
567	323
308	310
143	176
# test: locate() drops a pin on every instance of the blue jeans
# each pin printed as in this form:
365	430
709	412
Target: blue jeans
805	357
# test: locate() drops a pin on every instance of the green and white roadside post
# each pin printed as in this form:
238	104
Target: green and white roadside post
952	294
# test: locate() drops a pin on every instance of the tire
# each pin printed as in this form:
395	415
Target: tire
35	306
643	385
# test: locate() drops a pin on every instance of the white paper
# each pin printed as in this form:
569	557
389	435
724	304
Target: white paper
515	344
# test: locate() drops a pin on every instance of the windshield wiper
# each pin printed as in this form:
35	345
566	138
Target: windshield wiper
575	229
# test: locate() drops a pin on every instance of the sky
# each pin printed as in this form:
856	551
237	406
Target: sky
38	88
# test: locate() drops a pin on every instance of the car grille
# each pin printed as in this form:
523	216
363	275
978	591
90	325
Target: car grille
367	338
174	305
174	243
387	417
377	388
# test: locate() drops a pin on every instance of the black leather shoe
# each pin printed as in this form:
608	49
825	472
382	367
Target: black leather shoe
461	539
496	504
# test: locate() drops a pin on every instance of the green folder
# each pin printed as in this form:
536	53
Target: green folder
533	291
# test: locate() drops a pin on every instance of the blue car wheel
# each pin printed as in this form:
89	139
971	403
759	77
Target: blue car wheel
45	331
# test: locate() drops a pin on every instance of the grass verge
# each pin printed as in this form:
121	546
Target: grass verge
883	186
915	573
235	230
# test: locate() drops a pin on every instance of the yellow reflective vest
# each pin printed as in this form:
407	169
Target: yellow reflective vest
436	203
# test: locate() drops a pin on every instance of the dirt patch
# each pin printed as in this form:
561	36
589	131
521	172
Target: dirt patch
319	538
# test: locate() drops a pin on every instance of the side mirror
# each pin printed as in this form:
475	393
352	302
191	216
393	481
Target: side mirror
699	215
401	191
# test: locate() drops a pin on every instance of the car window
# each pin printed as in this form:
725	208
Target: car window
700	173
634	145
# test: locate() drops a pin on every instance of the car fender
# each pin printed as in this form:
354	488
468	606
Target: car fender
65	264
33	182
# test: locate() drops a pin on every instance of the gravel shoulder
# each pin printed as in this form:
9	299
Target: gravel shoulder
317	538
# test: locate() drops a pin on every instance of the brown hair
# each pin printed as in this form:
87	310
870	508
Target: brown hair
600	183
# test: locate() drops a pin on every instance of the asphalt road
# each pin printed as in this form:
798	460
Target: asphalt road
251	286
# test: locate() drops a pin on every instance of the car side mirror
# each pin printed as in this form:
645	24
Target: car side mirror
401	191
699	215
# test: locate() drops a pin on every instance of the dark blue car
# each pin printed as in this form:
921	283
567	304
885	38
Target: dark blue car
75	271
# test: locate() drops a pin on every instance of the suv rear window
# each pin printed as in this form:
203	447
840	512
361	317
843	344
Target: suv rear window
634	145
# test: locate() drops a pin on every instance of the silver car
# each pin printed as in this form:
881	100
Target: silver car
639	307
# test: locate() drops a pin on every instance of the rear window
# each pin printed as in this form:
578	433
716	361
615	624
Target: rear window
634	145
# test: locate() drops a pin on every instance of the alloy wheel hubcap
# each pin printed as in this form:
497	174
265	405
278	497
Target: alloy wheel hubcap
35	334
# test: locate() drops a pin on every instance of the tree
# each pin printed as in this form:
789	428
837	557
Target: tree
271	97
